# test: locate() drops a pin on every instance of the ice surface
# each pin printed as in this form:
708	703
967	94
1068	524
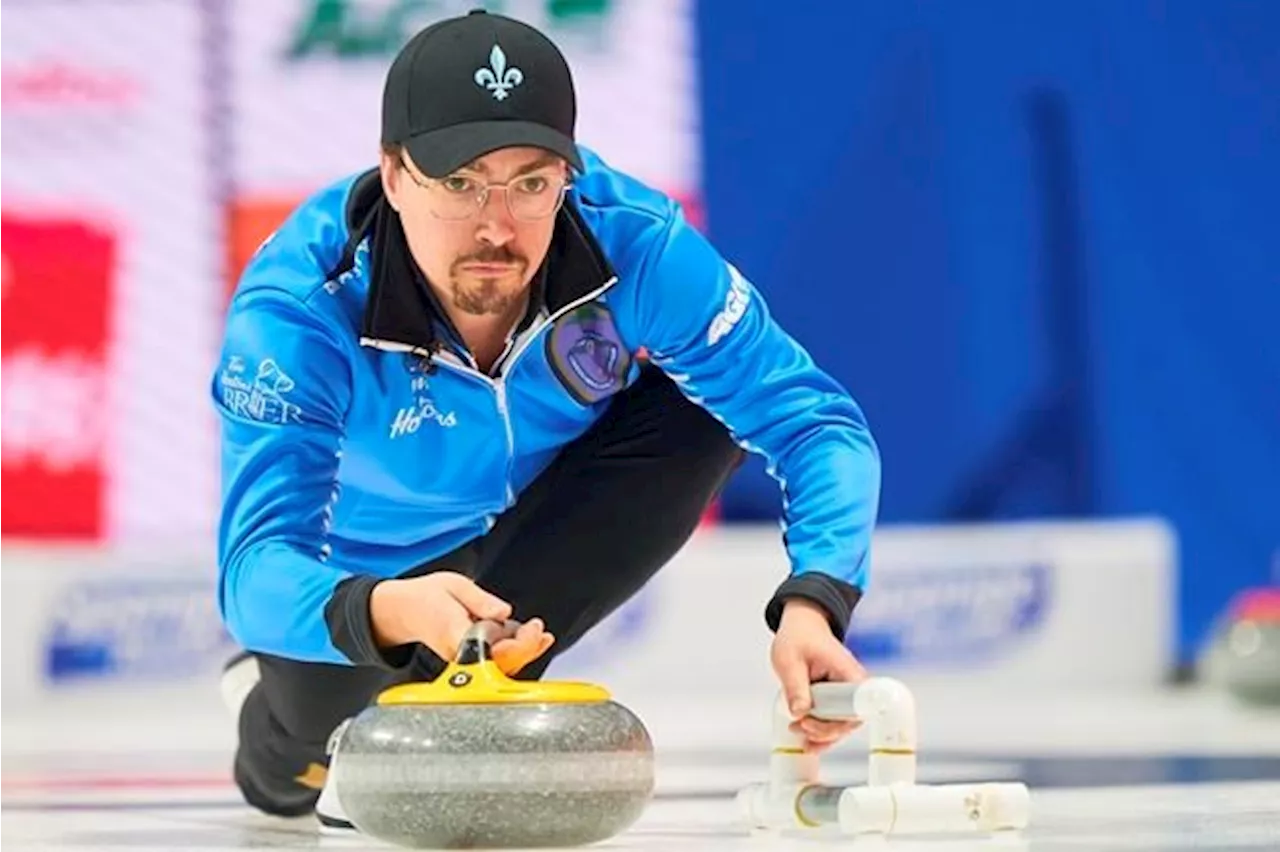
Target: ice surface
1162	771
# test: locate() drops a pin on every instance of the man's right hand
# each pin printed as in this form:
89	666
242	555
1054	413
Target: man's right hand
438	609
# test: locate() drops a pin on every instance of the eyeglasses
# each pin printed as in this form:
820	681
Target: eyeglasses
529	198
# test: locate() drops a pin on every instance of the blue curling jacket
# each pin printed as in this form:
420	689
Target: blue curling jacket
345	462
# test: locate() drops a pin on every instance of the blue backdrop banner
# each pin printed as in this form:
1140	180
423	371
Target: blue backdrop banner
1037	241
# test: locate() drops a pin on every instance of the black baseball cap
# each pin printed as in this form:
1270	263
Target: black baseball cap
469	85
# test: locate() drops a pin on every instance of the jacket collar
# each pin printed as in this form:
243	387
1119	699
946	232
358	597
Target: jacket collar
402	312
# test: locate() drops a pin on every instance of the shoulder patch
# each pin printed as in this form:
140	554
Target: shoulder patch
587	354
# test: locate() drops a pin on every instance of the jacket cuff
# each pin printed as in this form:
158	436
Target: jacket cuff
836	597
351	628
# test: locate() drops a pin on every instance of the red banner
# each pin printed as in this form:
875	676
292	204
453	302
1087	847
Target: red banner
57	287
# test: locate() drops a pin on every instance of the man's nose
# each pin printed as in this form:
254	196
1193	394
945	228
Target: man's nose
496	224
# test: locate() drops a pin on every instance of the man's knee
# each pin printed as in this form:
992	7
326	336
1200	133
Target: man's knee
276	772
703	453
282	798
285	725
657	415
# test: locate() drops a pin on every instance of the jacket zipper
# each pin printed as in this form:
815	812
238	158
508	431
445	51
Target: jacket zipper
511	356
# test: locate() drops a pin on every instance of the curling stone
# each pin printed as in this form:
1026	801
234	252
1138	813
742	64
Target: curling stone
1242	656
477	759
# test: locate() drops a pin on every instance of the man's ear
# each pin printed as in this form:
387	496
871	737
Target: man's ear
392	178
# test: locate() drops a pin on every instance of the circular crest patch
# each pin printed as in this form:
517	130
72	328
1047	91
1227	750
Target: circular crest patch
587	355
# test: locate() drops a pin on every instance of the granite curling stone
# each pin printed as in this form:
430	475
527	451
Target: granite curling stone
1242	656
475	759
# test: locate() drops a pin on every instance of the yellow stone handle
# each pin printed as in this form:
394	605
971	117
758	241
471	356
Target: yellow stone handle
474	678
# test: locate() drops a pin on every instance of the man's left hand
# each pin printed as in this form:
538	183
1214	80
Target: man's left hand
806	651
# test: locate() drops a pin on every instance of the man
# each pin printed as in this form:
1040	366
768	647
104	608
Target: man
495	378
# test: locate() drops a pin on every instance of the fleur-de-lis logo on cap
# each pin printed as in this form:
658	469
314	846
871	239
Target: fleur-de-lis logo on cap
498	78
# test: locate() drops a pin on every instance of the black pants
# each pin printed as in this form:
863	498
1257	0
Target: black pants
613	508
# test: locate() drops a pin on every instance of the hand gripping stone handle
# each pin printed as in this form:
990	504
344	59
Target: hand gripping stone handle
480	638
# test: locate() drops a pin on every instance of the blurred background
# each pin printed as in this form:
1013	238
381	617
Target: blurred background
1037	241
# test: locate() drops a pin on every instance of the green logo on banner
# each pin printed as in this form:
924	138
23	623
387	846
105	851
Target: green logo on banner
350	29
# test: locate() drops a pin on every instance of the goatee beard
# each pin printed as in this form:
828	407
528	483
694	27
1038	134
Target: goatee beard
485	297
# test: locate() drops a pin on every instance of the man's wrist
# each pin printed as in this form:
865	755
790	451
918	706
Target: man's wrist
349	615
385	622
803	610
834	597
